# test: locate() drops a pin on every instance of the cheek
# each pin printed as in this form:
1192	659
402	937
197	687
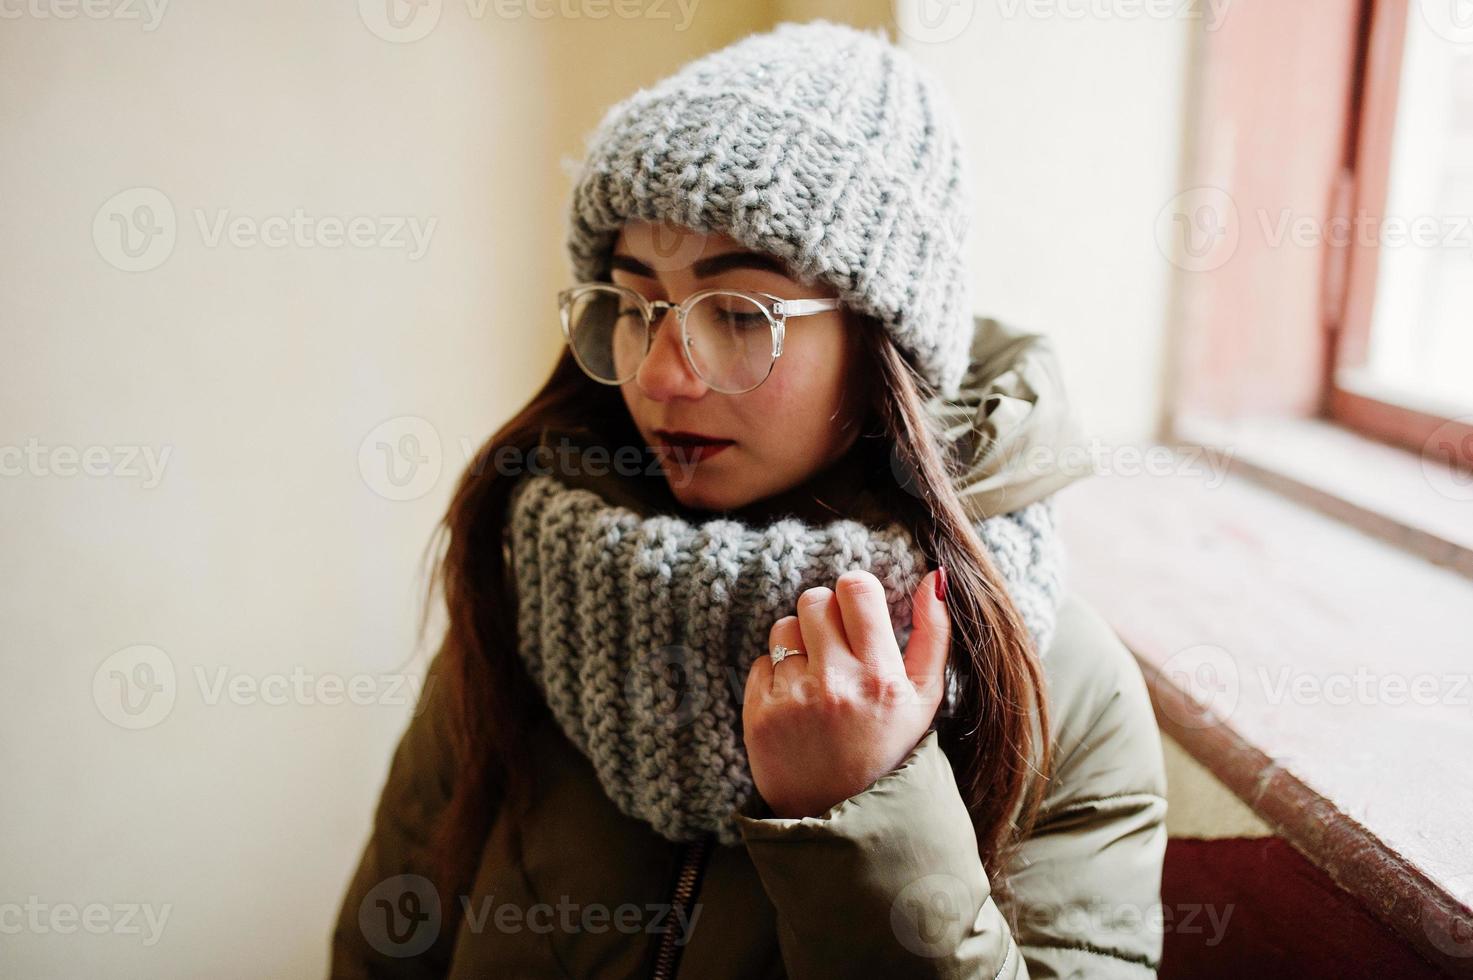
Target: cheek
793	412
820	369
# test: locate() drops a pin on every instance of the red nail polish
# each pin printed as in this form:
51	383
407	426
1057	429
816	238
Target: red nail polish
941	582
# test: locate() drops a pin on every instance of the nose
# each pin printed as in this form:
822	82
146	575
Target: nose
665	373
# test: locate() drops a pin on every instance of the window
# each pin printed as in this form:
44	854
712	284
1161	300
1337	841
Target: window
1403	365
1336	145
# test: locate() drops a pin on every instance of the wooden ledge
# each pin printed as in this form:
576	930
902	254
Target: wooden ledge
1325	676
1417	502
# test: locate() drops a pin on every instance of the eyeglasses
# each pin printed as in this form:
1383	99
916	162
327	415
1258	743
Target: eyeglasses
731	338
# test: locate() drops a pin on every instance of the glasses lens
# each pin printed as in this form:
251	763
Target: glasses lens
607	332
730	342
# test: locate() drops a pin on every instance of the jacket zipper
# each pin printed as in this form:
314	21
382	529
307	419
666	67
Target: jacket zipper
693	856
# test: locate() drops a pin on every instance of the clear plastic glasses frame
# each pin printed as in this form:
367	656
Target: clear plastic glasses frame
777	310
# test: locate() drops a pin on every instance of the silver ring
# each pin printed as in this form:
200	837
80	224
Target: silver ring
781	653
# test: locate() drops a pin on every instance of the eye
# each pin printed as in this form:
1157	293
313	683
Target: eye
747	321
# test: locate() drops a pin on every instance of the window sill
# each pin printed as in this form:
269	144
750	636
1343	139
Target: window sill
1415	502
1284	651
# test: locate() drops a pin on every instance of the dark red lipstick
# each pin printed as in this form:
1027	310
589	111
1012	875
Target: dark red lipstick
689	447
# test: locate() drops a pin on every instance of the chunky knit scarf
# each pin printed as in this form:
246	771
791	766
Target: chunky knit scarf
639	629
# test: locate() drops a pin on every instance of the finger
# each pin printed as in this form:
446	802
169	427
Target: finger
759	681
866	617
822	626
763	673
787	632
930	636
789	678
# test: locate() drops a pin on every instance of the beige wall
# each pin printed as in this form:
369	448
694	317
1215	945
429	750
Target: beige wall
305	403
269	546
1072	115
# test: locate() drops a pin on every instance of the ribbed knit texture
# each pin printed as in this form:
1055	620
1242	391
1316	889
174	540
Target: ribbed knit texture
820	143
640	630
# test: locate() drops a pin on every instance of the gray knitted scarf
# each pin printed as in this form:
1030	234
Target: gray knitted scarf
639	629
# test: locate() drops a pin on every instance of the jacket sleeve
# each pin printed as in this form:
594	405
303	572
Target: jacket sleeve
889	881
393	923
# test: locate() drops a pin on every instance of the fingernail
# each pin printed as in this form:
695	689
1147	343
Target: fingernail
941	582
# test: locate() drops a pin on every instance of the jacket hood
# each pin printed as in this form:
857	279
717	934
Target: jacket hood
1009	423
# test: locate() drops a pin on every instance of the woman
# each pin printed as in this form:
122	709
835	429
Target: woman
755	610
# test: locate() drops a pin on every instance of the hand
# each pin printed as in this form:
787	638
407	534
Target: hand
822	727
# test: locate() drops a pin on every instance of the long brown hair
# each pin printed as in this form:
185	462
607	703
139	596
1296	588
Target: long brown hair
988	735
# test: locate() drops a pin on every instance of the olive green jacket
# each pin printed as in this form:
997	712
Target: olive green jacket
887	883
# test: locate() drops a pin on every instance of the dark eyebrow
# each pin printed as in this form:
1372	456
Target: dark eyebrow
707	267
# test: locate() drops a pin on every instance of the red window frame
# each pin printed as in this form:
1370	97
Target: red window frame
1372	126
1265	333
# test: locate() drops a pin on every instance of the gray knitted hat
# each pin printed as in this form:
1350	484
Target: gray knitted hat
819	143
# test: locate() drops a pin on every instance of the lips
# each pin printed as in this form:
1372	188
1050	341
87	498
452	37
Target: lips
689	447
